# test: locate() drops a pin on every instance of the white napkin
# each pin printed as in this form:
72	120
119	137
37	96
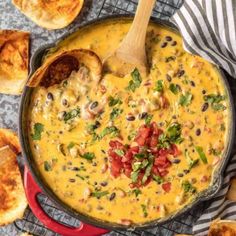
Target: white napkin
208	28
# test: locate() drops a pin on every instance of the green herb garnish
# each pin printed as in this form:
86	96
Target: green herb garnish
38	129
137	192
136	81
144	209
201	154
174	88
158	179
148	119
114	101
47	166
70	145
134	176
109	130
71	114
188	187
215	101
88	156
119	152
185	99
159	86
115	113
99	194
191	163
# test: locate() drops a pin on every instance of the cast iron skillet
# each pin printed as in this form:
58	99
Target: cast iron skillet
23	133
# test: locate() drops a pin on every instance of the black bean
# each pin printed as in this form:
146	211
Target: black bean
180	175
198	132
174	117
60	132
104	183
180	73
163	45
95	183
186	171
176	161
94	164
93	105
105	159
203	91
192	83
168	77
113	195
97	124
143	115
64	102
72	180
174	43
75	169
50	96
205	106
130	118
168	38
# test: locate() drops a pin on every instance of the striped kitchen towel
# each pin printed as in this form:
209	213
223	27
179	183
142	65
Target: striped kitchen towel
208	28
220	206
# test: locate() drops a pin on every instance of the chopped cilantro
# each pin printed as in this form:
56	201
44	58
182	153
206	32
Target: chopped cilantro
191	163
120	152
148	119
148	169
139	155
99	194
88	156
185	99
201	154
70	145
136	81
115	113
47	166
38	129
114	101
71	114
109	130
144	209
174	133
188	187
137	192
174	88
134	176
215	101
159	86
158	179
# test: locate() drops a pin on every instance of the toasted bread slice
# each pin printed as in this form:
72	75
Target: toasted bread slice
53	14
223	228
14	59
60	67
9	138
12	196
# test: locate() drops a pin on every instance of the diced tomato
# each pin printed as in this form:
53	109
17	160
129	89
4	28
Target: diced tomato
147	143
155	170
153	141
116	144
127	172
174	150
116	168
166	187
160	161
163	172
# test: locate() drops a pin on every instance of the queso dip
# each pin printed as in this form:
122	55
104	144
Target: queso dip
133	149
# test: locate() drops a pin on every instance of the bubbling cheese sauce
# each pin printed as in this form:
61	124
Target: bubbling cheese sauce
71	125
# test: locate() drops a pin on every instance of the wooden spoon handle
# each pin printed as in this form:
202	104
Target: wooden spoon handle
134	42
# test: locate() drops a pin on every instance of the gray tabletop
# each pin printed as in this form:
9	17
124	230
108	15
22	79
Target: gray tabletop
11	18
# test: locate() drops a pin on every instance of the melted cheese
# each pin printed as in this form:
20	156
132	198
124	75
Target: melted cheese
61	141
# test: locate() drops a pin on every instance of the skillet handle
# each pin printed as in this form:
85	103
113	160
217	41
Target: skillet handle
32	190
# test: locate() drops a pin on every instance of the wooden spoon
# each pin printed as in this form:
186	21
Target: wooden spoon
132	53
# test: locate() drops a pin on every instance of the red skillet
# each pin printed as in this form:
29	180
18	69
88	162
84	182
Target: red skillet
32	190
